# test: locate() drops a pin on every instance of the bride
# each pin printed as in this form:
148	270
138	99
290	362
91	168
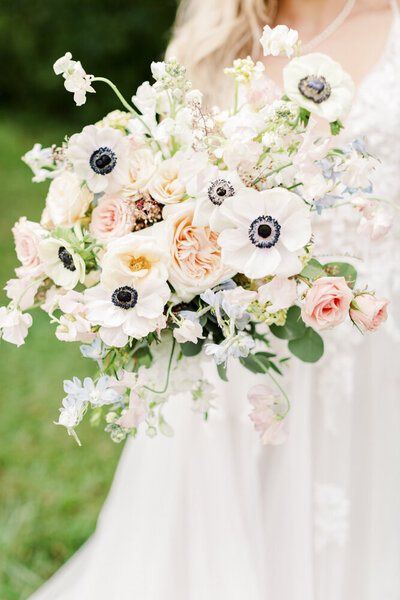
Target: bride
211	514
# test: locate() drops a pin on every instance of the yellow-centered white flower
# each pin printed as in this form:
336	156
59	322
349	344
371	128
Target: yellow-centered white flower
134	257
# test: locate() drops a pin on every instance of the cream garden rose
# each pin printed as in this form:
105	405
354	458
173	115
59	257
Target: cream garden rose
141	167
67	201
164	186
195	255
136	256
327	303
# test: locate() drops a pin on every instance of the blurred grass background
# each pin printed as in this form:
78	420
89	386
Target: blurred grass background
51	491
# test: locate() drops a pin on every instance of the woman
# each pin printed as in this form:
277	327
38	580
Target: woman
211	514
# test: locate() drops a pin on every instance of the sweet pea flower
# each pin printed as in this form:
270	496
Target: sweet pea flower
14	325
265	416
370	313
279	41
76	79
189	329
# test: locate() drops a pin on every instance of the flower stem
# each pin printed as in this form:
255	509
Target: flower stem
277	384
168	372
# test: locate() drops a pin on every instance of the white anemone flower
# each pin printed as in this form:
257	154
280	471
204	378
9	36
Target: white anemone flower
61	263
319	84
127	311
100	157
269	230
218	191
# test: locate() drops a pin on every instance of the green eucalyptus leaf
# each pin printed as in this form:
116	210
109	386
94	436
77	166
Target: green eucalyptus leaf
293	328
342	269
222	372
308	348
190	349
312	270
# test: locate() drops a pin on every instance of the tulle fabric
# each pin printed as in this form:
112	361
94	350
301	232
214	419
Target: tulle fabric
210	514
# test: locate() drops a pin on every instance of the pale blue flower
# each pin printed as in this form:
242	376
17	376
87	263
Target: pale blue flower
238	345
98	393
96	350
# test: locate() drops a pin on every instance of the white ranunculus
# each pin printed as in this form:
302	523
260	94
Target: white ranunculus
99	157
319	84
279	40
136	256
267	235
67	201
164	186
61	263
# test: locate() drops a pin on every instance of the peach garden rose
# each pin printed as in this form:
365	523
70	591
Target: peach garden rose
327	303
194	252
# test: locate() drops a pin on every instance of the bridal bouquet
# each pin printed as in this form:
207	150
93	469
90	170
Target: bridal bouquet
173	231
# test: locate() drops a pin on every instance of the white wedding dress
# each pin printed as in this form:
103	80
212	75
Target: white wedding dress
210	514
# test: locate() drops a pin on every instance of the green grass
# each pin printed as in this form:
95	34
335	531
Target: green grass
50	489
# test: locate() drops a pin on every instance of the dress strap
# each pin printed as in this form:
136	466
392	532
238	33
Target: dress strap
395	7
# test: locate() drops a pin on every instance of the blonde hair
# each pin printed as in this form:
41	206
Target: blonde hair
209	34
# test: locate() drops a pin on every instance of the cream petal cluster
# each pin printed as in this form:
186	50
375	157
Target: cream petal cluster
280	293
165	186
279	41
67	201
194	252
127	311
99	157
64	266
135	257
267	234
319	84
141	167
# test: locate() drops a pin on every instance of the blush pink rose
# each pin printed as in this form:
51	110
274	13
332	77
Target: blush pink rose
372	313
27	236
327	303
111	219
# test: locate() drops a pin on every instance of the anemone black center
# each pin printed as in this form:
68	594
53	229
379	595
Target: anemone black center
66	258
264	231
103	160
315	88
219	190
125	297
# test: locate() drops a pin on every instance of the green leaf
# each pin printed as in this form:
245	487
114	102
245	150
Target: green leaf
342	269
312	270
143	357
258	362
304	116
190	349
308	348
294	327
222	372
336	126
